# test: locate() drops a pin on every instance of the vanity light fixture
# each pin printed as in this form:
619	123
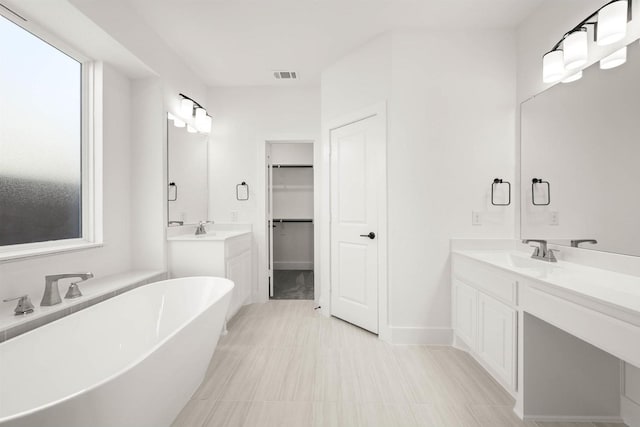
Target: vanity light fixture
612	22
575	47
553	66
178	123
195	116
572	51
617	58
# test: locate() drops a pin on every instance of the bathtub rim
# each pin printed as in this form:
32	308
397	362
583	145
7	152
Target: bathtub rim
135	362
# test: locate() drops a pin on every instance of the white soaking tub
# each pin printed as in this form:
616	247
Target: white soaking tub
132	360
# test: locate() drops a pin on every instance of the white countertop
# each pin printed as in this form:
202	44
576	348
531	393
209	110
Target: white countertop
215	235
609	287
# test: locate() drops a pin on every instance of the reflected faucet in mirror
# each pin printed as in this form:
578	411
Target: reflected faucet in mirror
576	243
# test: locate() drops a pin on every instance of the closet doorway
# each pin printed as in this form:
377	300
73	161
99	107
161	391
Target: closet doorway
290	220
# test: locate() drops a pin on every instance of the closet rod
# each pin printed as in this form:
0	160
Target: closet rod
292	166
291	220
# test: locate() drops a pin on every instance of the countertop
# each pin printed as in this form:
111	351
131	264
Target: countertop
604	286
215	235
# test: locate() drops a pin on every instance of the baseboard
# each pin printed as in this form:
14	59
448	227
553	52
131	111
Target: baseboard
293	265
570	419
421	336
630	411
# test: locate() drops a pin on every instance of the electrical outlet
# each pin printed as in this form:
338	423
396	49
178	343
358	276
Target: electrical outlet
554	218
475	218
234	216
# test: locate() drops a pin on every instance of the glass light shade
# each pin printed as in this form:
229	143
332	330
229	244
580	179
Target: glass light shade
552	66
575	49
171	116
612	23
179	123
201	115
206	127
573	77
191	129
617	58
186	107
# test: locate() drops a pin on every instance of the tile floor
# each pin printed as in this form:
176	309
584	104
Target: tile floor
293	284
283	364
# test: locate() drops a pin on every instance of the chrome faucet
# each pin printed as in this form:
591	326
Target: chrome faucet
541	251
201	229
176	222
576	243
24	305
52	293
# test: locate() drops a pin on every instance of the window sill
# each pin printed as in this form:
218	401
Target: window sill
50	249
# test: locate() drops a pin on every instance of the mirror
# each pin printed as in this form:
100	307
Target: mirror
583	139
187	166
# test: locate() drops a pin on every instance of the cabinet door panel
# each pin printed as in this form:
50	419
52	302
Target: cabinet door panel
239	271
465	299
496	337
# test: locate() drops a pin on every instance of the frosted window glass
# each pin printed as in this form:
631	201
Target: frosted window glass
40	140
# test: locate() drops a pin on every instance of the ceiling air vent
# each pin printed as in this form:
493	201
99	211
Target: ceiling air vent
285	75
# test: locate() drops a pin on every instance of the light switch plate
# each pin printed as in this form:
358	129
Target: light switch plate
554	218
475	218
234	216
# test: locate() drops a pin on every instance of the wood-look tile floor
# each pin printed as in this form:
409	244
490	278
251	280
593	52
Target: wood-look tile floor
284	364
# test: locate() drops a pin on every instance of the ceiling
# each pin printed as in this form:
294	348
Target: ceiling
241	42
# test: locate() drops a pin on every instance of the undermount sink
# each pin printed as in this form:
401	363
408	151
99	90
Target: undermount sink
517	260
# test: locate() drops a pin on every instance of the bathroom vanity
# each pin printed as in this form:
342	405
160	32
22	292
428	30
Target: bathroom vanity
562	338
220	253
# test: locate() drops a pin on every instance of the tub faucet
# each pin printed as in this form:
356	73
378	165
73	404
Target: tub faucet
541	252
52	292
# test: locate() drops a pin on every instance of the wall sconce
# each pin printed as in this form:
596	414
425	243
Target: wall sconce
194	113
572	51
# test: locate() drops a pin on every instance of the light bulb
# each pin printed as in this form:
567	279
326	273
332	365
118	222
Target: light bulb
179	123
186	107
617	58
575	49
206	127
191	129
171	116
573	77
552	66
612	23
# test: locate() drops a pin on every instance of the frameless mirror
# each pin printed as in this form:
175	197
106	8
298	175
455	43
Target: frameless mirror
187	166
580	143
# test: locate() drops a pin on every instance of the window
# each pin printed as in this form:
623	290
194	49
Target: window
44	145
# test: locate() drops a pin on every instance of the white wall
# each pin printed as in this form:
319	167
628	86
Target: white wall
243	119
451	110
27	276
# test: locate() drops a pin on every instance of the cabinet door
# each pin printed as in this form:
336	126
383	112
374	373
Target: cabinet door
496	337
465	316
239	271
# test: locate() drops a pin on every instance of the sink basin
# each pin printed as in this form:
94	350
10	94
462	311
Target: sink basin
517	261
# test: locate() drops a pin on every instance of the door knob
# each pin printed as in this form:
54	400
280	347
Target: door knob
371	235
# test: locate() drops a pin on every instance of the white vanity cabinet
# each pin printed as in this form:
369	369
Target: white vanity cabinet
219	253
485	317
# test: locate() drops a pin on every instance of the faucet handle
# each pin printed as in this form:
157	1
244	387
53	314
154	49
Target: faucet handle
25	306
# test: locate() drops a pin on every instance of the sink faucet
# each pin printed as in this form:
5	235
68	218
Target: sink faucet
52	293
201	229
541	252
176	222
576	243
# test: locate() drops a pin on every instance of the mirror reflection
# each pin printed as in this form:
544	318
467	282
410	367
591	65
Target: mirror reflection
187	187
580	154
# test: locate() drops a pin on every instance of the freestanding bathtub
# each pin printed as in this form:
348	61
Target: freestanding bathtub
133	360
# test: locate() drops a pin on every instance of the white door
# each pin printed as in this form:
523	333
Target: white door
357	157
